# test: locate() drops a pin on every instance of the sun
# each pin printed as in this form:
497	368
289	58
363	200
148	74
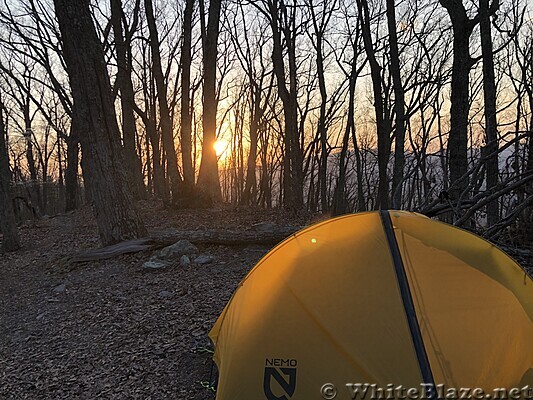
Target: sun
221	147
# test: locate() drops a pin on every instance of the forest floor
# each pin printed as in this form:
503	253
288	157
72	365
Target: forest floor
111	329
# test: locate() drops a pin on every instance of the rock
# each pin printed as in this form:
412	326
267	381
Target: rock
60	289
165	294
185	261
178	249
203	259
154	264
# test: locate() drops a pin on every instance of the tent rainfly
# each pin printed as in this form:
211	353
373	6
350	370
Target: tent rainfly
376	298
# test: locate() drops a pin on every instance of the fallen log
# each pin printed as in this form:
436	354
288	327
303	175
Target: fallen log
228	238
126	247
159	240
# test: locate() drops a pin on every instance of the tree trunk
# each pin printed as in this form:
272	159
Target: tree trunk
160	186
164	111
340	203
322	130
60	174
149	119
489	91
208	181
133	164
186	117
103	162
250	188
296	170
71	173
460	105
8	225
528	212
529	164
399	108
293	157
34	190
382	123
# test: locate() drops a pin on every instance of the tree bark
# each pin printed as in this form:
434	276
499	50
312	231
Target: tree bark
250	188
399	108
149	116
208	181
186	117
133	163
528	213
322	130
164	111
162	239
8	225
489	91
460	105
34	189
71	172
103	162
340	201
160	185
382	123
293	157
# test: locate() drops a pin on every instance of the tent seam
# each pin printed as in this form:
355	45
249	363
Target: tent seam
407	300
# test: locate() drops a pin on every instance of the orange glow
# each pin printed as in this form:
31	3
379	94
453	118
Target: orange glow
222	148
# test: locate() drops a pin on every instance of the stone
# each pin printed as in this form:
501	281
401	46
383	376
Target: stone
154	264
178	249
60	288
185	261
165	294
203	259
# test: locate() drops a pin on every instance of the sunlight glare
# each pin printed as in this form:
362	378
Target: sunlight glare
221	146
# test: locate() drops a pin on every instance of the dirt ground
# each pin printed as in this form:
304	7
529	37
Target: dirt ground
110	329
114	330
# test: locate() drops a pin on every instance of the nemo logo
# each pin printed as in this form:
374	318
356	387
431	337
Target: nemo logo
279	381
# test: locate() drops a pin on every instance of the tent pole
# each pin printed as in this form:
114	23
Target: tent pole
407	299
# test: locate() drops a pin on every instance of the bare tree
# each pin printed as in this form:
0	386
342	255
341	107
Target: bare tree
103	161
282	19
124	84
320	20
463	26
208	181
186	114
340	198
8	225
164	110
489	91
382	120
258	73
36	43
148	114
399	107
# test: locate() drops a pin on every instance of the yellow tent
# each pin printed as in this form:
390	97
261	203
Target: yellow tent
376	298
